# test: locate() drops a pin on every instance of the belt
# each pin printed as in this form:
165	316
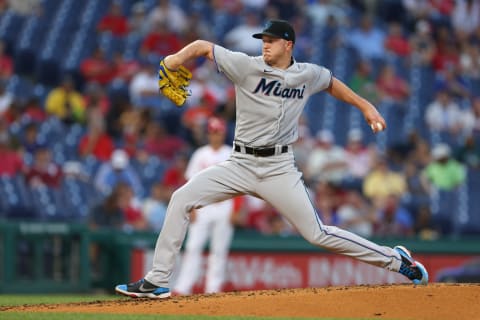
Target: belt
260	152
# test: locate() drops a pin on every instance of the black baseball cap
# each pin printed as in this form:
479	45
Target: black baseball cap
278	29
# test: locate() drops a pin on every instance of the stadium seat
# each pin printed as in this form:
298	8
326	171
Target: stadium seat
48	204
77	199
16	202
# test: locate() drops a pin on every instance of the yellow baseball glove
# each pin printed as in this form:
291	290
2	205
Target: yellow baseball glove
173	83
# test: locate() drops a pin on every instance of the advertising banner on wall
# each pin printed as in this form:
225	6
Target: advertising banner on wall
257	271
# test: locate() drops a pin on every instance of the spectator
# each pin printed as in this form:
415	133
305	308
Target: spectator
30	141
393	219
109	213
97	68
254	4
158	142
11	163
472	118
66	103
124	69
362	81
266	220
359	157
326	210
133	123
356	214
226	110
134	219
444	172
144	88
320	11
96	142
382	182
6	64
443	114
154	207
14	114
116	171
420	150
396	43
327	198
25	7
469	152
168	14
96	98
465	18
417	192
327	162
240	37
418	9
197	28
33	111
174	176
112	119
209	83
446	56
436	11
195	118
452	80
159	42
138	22
367	40
114	21
392	87
422	44
470	60
43	171
6	98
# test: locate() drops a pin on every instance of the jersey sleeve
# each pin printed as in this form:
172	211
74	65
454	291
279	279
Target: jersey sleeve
233	64
321	78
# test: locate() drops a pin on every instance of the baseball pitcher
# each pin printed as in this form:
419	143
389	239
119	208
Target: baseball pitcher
271	92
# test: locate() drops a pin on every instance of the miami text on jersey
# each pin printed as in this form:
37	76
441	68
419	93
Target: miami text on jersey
276	87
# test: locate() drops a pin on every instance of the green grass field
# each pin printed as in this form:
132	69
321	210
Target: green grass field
19	300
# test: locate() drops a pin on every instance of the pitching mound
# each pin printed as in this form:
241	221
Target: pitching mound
435	301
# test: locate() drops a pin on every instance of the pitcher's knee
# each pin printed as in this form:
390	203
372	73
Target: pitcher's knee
182	197
318	238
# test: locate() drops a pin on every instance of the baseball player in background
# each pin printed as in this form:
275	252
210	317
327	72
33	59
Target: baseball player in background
211	222
271	93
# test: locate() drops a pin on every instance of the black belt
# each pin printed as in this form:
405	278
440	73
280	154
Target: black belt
260	152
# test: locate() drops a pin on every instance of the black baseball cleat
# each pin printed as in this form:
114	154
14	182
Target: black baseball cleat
143	289
413	270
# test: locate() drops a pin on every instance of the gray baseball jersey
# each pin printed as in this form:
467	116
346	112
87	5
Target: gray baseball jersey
269	103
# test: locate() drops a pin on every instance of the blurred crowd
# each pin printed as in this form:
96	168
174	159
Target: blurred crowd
112	101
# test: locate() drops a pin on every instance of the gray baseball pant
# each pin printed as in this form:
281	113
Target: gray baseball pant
275	179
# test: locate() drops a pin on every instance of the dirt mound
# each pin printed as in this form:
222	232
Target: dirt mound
435	301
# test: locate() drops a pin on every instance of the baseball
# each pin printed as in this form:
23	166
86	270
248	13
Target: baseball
379	126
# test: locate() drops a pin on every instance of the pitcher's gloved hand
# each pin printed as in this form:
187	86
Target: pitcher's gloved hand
173	83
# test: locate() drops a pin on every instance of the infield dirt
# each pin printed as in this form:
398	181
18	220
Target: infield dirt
435	301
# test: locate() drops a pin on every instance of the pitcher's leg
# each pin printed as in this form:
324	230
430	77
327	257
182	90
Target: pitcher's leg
217	183
293	202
